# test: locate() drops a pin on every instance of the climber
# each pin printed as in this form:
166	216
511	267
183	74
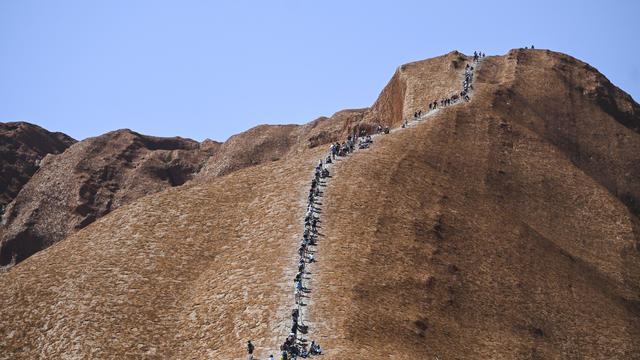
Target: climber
315	349
250	349
304	352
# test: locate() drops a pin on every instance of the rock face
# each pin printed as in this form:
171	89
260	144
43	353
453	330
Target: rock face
266	143
90	179
502	228
22	146
405	94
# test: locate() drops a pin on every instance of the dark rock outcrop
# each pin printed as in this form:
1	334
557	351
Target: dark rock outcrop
90	179
22	147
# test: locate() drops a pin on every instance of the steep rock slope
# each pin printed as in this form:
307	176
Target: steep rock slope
475	234
416	84
495	229
189	272
22	146
409	90
91	178
266	143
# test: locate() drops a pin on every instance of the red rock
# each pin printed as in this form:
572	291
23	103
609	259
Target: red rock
22	146
501	228
90	179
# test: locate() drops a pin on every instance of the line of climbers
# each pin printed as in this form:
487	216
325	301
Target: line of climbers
467	87
295	346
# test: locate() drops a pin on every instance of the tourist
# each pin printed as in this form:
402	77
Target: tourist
250	349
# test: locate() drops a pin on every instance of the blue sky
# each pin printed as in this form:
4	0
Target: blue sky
211	69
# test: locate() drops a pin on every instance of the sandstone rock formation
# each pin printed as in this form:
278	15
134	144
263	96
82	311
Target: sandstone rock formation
90	179
273	142
503	228
22	146
255	146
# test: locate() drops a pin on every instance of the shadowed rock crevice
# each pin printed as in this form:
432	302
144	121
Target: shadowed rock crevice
22	147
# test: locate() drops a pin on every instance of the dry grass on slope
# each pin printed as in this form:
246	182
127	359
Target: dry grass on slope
190	272
425	256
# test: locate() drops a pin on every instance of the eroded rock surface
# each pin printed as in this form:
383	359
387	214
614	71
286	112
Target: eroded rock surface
22	146
501	228
90	179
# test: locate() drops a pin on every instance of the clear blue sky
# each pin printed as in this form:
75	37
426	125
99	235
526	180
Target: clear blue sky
211	69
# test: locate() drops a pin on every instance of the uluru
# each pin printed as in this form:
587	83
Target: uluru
504	224
289	181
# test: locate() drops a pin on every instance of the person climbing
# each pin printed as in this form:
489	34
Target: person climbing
296	296
250	348
315	349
